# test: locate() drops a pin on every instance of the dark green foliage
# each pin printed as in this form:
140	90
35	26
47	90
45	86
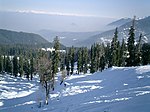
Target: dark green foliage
26	68
4	63
1	63
97	50
79	61
21	66
102	63
114	49
62	62
123	51
92	65
72	53
118	57
67	63
108	58
146	54
15	66
31	67
55	56
131	46
8	65
85	60
138	53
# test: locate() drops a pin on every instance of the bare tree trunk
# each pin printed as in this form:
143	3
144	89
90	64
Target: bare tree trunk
47	92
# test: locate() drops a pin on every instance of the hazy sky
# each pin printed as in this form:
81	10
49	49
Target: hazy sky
78	15
102	8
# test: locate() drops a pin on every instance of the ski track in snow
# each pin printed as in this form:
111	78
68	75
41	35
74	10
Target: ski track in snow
121	87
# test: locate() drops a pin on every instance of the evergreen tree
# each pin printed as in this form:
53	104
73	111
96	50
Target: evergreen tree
62	65
55	56
131	46
4	63
31	67
123	53
102	63
97	56
138	53
8	65
26	68
79	61
21	66
85	59
92	60
114	48
67	63
15	66
1	64
118	58
108	58
146	54
72	58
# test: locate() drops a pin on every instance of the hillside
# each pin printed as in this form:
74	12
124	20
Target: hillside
141	26
117	89
67	38
120	22
13	37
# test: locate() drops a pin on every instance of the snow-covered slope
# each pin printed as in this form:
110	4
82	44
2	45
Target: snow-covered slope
117	89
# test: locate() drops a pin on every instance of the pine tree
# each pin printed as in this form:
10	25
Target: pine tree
108	56
8	65
131	46
62	64
92	60
114	48
72	58
146	54
85	55
102	63
123	53
118	58
79	61
15	66
138	53
26	68
67	63
1	64
4	63
21	66
31	67
55	56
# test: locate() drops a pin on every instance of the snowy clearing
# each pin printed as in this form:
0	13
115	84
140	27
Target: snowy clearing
117	89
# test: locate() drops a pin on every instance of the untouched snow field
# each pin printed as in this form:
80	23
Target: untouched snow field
117	89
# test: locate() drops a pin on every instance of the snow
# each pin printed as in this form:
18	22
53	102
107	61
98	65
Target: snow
117	89
91	81
142	69
1	103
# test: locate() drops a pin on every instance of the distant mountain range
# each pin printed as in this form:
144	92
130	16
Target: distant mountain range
78	39
67	38
141	26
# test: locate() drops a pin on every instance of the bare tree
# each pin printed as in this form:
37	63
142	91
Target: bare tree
44	65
